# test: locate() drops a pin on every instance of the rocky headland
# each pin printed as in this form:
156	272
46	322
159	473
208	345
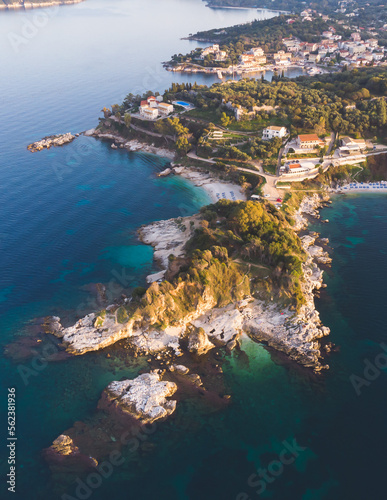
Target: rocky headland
183	342
203	324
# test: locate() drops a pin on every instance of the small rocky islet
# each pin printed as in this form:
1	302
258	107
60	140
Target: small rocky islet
51	141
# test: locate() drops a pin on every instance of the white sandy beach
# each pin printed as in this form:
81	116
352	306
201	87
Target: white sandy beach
216	188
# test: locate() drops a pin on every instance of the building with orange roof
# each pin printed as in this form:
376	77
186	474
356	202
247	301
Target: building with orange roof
309	141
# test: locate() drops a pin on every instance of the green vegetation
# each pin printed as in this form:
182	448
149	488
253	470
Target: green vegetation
259	234
100	319
210	277
346	103
122	315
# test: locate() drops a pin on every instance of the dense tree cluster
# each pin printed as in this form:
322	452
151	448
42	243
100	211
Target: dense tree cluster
348	102
257	233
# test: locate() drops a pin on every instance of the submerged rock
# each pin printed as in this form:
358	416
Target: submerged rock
144	398
179	369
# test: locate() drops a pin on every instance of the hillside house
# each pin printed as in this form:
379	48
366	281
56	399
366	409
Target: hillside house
272	131
309	141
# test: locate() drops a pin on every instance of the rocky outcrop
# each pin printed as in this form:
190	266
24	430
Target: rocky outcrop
64	445
198	342
93	333
64	455
295	335
309	206
317	253
133	145
165	173
179	369
168	237
144	398
51	141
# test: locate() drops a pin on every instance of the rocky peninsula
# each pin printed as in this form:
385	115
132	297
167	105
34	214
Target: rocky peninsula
295	333
51	141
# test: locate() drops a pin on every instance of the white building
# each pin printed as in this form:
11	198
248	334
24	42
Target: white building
256	52
378	56
164	108
297	167
372	42
351	146
271	132
356	49
148	112
152	101
314	58
220	55
239	112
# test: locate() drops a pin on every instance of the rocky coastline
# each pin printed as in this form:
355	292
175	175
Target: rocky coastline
297	335
133	145
126	405
37	5
51	141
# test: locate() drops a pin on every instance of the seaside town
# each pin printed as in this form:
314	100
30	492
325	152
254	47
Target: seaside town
332	52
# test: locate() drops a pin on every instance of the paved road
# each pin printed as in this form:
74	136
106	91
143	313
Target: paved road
269	188
194	156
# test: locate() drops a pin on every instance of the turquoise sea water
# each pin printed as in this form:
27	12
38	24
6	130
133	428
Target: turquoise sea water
68	219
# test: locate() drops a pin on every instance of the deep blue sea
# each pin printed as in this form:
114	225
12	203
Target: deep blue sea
68	220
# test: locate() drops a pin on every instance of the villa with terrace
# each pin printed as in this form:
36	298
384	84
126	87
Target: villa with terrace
153	107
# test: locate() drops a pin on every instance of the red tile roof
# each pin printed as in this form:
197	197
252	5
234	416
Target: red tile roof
309	137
